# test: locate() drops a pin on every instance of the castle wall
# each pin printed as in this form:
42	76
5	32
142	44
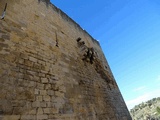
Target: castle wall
45	74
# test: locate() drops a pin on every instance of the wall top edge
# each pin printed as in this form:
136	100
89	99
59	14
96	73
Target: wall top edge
67	18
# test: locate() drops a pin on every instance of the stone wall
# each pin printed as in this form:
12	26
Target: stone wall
51	69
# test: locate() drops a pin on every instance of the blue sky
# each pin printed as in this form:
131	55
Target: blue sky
129	34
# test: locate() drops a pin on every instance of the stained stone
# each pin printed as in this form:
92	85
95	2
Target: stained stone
40	81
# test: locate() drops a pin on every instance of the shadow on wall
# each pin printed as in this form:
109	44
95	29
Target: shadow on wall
46	1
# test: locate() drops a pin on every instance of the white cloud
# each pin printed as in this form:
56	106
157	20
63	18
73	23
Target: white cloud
139	88
143	98
136	101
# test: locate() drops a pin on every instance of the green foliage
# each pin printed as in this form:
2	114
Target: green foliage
158	110
142	110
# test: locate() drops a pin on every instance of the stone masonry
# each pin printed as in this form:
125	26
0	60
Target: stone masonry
51	69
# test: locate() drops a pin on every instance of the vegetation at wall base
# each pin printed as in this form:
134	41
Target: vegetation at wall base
149	110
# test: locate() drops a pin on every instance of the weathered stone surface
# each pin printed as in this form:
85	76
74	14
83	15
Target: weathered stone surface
40	111
44	80
42	117
46	74
33	111
10	117
39	98
46	98
26	117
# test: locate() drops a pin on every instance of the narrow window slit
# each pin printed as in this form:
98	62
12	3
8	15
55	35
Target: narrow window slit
4	12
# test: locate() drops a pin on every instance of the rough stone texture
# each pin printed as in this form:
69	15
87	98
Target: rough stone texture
47	73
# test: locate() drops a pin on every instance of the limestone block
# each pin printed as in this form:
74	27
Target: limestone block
10	117
31	72
49	104
36	78
44	71
63	64
33	111
48	64
50	92
51	117
39	98
35	65
59	94
28	77
46	110
26	117
42	117
47	86
43	92
36	104
24	56
46	98
28	63
43	104
53	99
33	59
44	80
52	81
41	62
62	89
40	111
25	95
54	111
32	84
41	75
21	61
36	91
41	87
47	68
17	110
65	70
59	102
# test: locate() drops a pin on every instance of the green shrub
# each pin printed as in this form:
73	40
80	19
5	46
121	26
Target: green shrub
158	110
